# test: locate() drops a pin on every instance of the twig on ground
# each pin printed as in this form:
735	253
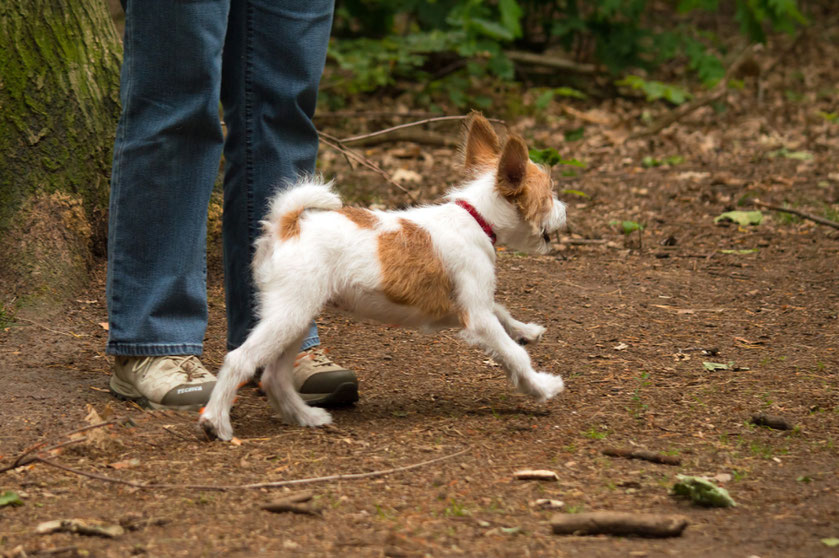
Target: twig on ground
533	59
683	110
618	523
224	488
811	217
42	326
425	137
410	124
631	453
21	462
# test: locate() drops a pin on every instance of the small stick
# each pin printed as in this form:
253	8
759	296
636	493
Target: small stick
646	455
772	421
409	124
224	488
288	506
618	523
811	217
19	461
42	326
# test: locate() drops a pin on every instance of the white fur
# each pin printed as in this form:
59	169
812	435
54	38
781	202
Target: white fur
334	262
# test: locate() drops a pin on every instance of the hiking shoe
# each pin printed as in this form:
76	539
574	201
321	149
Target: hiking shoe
321	382
163	382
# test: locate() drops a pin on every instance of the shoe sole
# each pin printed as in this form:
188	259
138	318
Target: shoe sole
126	392
342	396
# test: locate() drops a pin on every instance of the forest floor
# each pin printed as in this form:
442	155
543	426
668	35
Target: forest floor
631	321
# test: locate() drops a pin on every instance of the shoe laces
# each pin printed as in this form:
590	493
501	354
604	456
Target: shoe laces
317	356
188	365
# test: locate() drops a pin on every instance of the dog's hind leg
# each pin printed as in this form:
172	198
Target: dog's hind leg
284	317
485	330
522	333
278	386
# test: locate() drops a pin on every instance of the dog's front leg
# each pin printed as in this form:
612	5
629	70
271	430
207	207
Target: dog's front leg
522	333
485	330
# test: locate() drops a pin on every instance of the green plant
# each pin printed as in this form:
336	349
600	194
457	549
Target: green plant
594	434
455	509
450	46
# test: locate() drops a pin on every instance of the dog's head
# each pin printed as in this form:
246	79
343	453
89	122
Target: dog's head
519	182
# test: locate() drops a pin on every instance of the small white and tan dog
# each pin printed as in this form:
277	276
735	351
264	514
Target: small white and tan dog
428	267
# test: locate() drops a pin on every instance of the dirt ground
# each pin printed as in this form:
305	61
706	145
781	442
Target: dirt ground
631	320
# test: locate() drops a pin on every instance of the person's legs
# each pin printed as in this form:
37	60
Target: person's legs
273	59
166	157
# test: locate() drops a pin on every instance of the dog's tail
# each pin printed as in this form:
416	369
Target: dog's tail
287	206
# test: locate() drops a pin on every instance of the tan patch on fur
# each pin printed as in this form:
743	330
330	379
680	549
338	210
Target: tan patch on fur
290	224
363	218
481	147
536	198
523	183
412	274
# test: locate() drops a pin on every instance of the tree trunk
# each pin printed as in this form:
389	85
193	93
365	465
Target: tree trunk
59	105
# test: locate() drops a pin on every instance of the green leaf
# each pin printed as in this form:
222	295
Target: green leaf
628	227
575	193
570	92
574	135
831	542
491	29
703	492
714	366
797	155
741	217
9	498
548	156
511	14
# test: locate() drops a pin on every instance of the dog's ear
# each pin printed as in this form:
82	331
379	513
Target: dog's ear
481	147
512	167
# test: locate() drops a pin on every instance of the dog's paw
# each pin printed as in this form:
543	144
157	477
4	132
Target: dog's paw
544	386
310	416
529	334
216	428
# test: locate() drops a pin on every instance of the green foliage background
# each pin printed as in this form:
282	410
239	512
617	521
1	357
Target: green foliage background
447	44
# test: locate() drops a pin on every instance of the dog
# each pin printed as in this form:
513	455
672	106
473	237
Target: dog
428	267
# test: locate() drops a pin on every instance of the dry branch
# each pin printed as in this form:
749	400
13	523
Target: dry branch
533	59
409	125
618	523
224	488
811	217
631	453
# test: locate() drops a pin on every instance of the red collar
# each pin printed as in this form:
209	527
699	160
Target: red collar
487	228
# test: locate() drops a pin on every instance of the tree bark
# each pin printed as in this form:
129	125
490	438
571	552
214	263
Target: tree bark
59	105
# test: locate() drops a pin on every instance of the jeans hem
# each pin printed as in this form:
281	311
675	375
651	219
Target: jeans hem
153	349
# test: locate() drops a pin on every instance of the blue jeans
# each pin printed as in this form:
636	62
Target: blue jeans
262	59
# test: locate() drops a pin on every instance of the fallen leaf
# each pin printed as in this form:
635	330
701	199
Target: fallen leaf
406	175
702	492
235	441
104	325
125	464
621	347
9	498
831	542
741	217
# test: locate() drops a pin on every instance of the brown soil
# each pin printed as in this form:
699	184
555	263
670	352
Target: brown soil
629	321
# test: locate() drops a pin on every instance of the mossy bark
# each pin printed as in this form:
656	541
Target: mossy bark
59	106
